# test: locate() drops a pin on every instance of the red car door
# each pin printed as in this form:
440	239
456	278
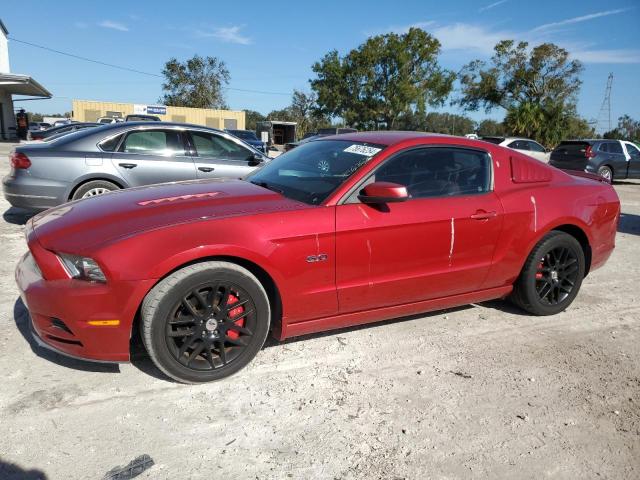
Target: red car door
438	243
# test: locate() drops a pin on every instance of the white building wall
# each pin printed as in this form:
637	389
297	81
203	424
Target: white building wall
4	53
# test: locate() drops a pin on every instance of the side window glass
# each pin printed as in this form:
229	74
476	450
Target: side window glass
437	172
211	145
536	147
153	142
604	147
519	145
633	150
615	147
110	144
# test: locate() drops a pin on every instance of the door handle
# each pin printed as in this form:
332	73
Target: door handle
128	165
482	215
206	169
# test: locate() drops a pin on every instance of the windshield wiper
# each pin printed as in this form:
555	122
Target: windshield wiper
268	187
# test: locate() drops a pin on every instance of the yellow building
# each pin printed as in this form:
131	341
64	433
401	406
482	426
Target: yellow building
90	111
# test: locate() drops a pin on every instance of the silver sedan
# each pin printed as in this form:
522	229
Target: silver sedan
122	155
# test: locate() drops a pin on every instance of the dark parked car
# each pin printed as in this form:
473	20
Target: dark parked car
322	132
141	118
249	137
611	159
68	128
121	155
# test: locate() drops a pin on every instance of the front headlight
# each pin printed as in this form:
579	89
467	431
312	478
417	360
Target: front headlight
82	268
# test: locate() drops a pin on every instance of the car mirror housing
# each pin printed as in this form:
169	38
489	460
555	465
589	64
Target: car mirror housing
383	192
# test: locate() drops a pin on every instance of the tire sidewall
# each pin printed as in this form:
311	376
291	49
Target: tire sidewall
528	280
85	187
158	341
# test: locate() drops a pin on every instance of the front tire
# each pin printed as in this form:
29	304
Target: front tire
205	322
551	276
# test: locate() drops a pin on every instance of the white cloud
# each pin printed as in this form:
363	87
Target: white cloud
464	36
114	25
607	56
227	34
582	18
492	5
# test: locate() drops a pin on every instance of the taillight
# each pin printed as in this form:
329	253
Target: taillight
19	160
589	152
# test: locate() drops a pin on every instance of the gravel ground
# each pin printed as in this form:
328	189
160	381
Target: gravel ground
482	391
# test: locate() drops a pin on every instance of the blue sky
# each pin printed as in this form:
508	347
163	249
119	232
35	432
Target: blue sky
270	46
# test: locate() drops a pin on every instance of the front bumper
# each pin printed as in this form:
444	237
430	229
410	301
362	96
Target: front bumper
62	312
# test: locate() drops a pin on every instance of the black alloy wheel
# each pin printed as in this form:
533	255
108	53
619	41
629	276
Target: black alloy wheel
551	276
210	326
557	275
205	321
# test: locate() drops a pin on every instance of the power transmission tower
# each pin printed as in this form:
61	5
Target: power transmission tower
603	123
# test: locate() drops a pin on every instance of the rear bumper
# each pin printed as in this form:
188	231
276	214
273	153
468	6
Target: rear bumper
25	191
62	312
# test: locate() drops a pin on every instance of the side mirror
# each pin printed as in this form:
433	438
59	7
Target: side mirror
383	192
256	159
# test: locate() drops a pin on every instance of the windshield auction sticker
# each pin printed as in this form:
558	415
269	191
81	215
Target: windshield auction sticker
362	150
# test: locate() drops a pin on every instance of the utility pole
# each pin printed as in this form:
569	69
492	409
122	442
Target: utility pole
603	123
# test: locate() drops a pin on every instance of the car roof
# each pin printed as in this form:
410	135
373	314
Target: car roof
387	138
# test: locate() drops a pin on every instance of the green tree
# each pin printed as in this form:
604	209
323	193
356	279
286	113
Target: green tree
536	87
251	118
195	83
437	122
385	77
627	129
491	128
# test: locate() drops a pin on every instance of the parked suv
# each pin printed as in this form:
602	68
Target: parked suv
611	159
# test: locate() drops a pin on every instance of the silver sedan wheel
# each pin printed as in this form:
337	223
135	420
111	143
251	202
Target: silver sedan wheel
95	191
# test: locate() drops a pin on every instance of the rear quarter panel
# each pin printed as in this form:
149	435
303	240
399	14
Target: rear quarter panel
534	209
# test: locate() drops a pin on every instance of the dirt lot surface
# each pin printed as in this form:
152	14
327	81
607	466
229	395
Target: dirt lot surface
482	391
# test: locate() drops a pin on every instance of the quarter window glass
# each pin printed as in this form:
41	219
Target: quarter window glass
615	147
156	142
536	147
633	150
210	145
437	172
110	144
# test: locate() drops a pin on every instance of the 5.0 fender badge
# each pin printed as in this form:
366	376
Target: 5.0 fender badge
321	257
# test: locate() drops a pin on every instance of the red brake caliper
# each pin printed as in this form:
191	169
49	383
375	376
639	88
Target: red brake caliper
539	271
234	313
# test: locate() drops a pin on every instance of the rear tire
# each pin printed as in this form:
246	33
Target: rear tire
606	172
551	276
205	322
93	189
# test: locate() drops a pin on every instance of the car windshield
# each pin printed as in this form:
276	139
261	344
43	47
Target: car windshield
311	172
244	134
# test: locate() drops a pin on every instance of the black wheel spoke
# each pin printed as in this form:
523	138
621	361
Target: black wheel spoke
211	326
239	329
180	333
222	352
192	311
185	345
195	352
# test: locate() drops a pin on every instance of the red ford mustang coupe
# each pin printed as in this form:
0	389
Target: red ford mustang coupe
341	231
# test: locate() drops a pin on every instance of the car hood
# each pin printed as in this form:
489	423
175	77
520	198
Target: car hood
78	226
